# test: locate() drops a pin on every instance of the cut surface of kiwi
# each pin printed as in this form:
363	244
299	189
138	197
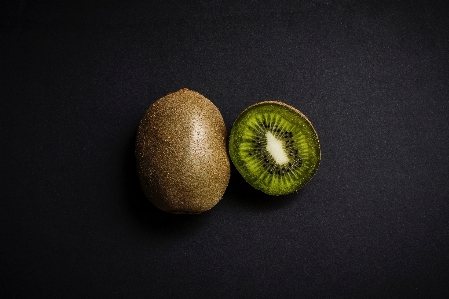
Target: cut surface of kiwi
274	147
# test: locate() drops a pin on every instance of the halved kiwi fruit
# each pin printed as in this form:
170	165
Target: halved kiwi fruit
274	147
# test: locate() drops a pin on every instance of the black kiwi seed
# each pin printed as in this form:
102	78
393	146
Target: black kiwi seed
278	167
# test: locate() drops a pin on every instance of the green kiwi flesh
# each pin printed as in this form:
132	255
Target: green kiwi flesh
274	147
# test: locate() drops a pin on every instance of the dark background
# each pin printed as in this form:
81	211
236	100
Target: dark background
77	76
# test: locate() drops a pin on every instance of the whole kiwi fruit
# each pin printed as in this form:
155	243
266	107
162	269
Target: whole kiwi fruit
274	147
181	154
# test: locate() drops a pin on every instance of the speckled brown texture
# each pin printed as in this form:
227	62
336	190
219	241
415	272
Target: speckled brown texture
181	153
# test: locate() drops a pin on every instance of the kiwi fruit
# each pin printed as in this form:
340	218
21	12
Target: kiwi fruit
274	147
181	154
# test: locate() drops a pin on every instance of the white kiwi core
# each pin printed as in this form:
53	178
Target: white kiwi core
276	149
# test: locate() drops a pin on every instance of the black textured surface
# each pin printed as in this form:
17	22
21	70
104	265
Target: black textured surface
77	78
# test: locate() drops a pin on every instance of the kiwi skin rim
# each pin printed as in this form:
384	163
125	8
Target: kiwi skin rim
301	115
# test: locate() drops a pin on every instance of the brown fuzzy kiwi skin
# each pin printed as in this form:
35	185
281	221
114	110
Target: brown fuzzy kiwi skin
295	110
182	159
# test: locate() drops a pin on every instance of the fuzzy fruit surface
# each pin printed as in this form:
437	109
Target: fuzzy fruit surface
181	154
